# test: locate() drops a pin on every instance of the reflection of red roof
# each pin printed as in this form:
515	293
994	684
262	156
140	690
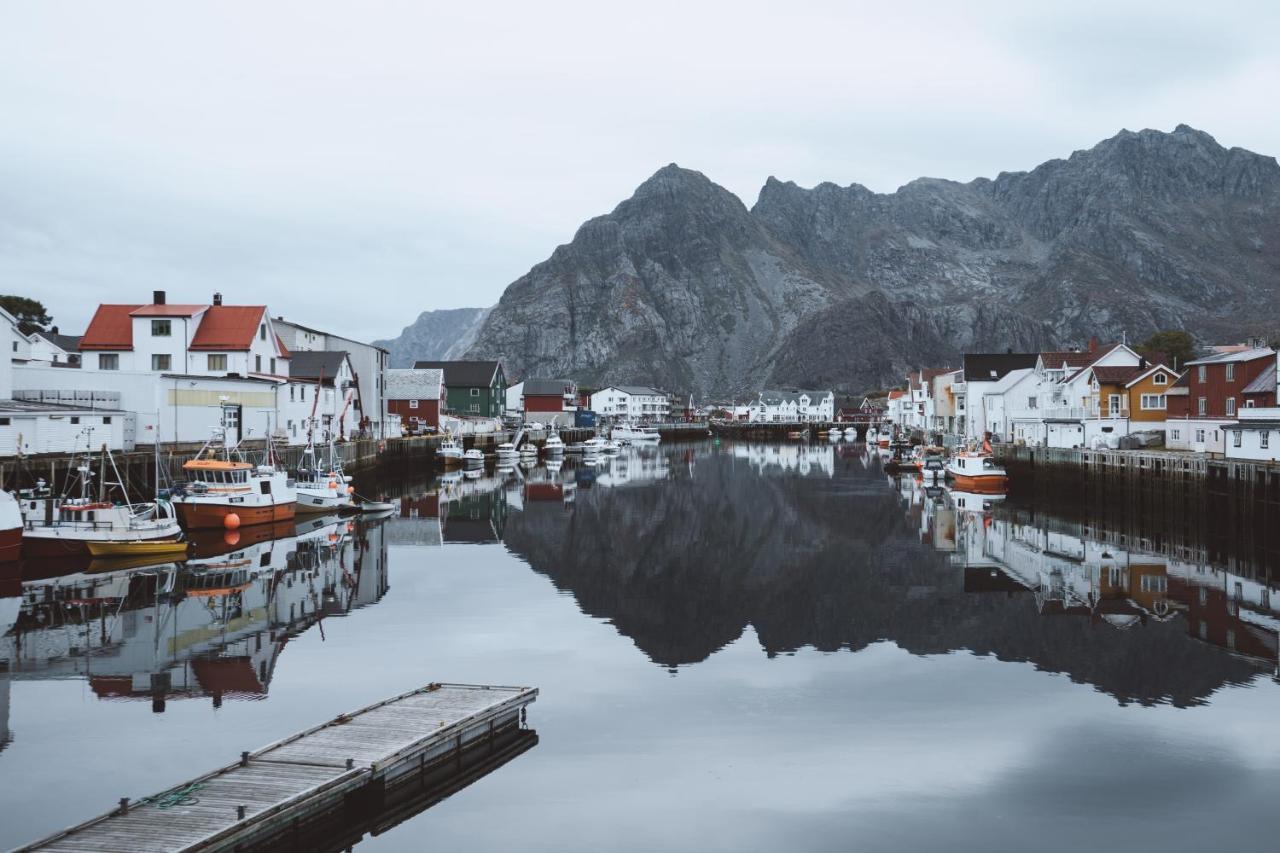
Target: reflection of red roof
111	686
168	310
228	675
543	492
228	327
111	328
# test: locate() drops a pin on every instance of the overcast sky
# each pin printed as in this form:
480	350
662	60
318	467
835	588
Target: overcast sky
352	164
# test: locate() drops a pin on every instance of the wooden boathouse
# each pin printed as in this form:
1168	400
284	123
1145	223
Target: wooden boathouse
350	769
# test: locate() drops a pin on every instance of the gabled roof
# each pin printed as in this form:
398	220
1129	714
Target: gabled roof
1227	357
640	390
228	327
110	329
414	384
1265	383
549	387
1073	359
314	364
1117	374
989	367
463	374
1154	368
168	310
66	343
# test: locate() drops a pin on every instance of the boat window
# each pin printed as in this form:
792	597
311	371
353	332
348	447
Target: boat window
988	463
266	487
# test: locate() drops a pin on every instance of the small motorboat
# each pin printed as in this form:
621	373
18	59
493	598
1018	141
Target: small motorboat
376	506
851	433
473	457
150	548
635	434
554	445
590	447
611	446
835	435
506	452
528	451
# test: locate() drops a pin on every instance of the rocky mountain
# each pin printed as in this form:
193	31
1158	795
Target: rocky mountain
683	286
435	335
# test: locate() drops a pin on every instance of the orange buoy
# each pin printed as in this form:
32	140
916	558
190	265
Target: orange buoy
333	537
231	521
332	484
351	490
231	537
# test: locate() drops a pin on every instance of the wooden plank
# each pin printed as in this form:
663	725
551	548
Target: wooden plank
300	774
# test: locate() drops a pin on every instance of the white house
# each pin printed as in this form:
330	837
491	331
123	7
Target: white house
323	398
774	406
51	347
631	402
368	364
987	376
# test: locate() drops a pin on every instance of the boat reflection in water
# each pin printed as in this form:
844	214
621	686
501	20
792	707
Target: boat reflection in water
212	626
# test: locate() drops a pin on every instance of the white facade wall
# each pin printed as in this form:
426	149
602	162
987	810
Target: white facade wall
514	402
368	362
10	340
1249	443
616	403
66	432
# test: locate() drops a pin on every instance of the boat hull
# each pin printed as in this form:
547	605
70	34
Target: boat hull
52	542
137	549
207	516
320	503
991	484
10	545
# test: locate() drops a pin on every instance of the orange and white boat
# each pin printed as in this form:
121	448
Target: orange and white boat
978	473
222	493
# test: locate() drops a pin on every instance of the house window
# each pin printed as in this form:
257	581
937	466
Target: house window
217	362
257	363
161	361
302	393
1231	373
1199	435
4	421
1264	439
273	367
1175	434
474	407
1159	379
1249	404
1113	404
1200	373
1231	406
475	392
262	332
109	361
1152	402
107	420
161	328
291	393
75	420
1031	402
413	404
1202	406
1235	437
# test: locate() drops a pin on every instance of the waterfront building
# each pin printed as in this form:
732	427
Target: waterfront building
942	394
792	407
473	389
369	365
545	401
415	397
987	376
1216	392
323	398
51	347
631	402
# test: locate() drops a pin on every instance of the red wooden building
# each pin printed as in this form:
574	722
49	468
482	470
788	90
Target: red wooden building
416	396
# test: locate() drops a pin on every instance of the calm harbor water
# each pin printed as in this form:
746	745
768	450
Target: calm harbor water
738	647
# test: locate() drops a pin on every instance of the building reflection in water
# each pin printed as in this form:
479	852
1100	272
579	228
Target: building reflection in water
211	627
1103	573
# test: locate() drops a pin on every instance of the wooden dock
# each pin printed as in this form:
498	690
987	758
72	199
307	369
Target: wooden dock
346	766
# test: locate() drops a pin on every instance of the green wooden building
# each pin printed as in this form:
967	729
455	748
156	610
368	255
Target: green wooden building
473	389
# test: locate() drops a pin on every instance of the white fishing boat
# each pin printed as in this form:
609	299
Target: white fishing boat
61	525
450	451
321	487
554	445
635	434
884	437
851	433
591	447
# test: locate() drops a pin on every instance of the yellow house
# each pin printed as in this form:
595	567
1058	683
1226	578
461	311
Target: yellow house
1137	393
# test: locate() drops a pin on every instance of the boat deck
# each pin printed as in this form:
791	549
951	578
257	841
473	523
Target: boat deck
320	769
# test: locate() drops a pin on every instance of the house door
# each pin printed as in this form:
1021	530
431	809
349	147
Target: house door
231	424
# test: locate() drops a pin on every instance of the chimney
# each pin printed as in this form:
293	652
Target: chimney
157	297
217	299
1093	344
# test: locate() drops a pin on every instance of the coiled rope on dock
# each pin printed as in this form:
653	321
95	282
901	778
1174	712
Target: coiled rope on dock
180	797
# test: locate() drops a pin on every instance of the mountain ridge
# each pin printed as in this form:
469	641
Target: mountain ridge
683	285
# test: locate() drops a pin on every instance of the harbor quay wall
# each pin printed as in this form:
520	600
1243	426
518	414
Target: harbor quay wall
783	429
1167	502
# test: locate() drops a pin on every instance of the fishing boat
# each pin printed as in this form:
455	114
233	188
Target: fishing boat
506	452
166	548
473	457
591	447
56	526
977	472
851	433
377	506
884	437
450	452
10	528
554	445
834	436
229	493
635	434
322	488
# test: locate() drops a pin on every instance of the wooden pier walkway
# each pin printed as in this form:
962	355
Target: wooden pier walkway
345	765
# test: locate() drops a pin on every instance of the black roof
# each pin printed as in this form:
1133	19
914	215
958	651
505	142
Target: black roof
547	387
988	367
67	343
308	364
463	374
